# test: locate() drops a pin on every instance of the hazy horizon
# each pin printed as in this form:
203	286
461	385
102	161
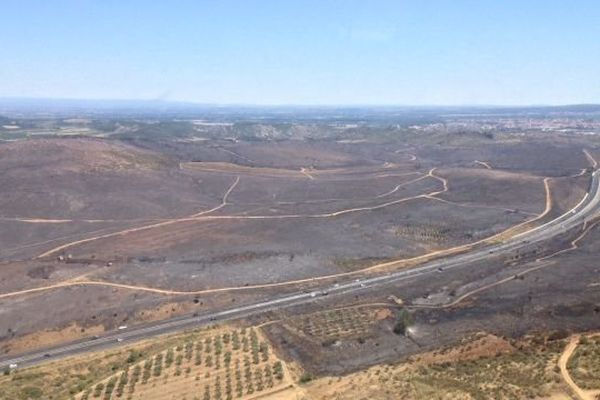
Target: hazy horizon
15	99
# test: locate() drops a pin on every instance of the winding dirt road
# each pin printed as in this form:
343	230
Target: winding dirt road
204	216
145	227
389	264
483	163
586	229
564	371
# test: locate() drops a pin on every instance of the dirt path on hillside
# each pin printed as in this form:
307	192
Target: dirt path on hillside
574	246
590	158
484	164
204	216
144	227
393	263
562	363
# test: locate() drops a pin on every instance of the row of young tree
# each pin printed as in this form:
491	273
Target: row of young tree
215	353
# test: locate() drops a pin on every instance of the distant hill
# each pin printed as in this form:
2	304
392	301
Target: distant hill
45	107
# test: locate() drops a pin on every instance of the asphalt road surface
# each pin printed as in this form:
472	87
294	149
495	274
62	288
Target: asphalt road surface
584	211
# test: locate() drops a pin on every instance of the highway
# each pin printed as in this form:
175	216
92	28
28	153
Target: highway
581	213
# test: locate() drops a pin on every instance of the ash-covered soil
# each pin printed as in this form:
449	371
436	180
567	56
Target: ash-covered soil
555	296
136	213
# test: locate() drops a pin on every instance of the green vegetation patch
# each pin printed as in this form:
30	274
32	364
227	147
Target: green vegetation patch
526	374
584	364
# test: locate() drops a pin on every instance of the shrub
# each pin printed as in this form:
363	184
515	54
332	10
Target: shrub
188	350
403	321
147	370
98	389
305	378
31	392
133	356
235	341
158	365
264	350
278	370
558	335
122	382
109	388
169	358
135	376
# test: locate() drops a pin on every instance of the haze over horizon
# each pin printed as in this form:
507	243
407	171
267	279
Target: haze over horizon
305	52
15	100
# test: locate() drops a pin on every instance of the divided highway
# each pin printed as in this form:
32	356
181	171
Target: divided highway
583	212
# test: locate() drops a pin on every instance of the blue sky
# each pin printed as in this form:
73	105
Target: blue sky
420	52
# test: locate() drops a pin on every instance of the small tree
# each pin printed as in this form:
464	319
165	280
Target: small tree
98	389
278	370
403	321
268	376
110	386
218	345
235	341
147	371
169	358
158	362
218	394
306	377
264	350
189	349
122	382
258	379
135	376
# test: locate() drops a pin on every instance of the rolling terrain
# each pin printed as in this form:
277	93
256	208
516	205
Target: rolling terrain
346	253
